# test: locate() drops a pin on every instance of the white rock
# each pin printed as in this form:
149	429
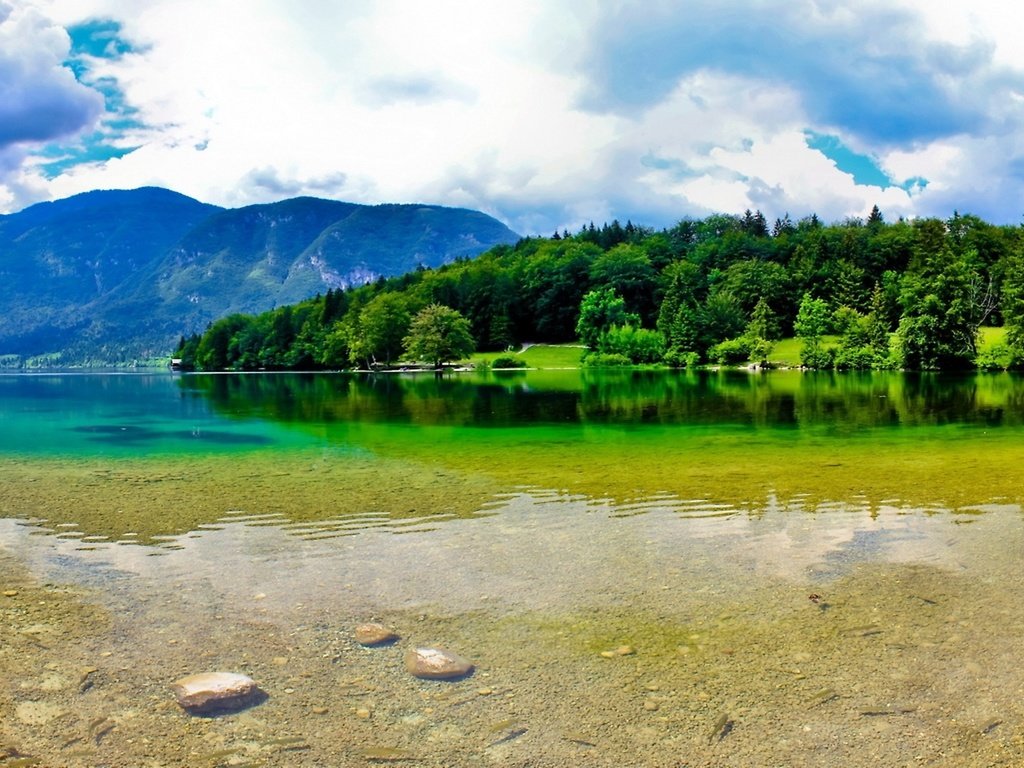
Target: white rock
209	691
436	664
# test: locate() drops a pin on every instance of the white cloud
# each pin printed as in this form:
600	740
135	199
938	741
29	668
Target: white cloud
479	105
273	88
40	100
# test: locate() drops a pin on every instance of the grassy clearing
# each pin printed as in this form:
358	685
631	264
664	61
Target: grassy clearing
785	353
992	351
538	356
553	355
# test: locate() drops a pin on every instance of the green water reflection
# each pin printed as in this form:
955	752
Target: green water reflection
103	452
97	414
730	436
838	403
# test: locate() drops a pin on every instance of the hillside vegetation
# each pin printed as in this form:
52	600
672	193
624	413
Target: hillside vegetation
724	289
118	276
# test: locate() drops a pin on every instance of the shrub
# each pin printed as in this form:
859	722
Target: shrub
817	356
731	351
996	358
678	359
606	360
854	358
639	345
508	362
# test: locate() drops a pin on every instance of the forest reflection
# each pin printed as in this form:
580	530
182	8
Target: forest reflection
840	402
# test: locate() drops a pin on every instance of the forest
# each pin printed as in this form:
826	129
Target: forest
858	294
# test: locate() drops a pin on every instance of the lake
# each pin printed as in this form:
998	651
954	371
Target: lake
646	568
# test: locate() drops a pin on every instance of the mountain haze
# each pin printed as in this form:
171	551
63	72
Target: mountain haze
110	276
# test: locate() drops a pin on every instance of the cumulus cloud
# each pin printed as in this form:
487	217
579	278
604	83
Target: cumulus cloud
867	70
40	99
901	84
269	179
545	113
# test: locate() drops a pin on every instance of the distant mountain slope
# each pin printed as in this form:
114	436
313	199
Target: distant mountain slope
79	248
115	275
57	257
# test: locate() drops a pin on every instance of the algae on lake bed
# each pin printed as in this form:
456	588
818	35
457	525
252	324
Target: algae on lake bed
142	500
409	476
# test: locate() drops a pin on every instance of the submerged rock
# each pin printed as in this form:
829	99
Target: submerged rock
213	691
436	664
374	634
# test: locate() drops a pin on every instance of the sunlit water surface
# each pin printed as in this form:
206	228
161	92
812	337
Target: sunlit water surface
646	569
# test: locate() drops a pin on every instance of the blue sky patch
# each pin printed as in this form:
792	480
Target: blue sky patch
97	39
94	148
862	168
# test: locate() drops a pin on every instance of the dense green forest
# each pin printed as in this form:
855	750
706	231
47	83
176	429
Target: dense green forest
858	294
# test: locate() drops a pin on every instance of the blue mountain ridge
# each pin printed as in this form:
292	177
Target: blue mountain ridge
115	275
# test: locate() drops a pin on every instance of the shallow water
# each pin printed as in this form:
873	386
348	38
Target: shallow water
646	569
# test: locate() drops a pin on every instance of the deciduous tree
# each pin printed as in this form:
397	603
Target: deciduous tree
599	311
812	323
439	335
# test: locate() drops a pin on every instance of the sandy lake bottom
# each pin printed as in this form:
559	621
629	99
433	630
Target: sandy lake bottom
657	632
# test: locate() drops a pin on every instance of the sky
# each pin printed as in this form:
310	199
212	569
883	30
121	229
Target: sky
547	114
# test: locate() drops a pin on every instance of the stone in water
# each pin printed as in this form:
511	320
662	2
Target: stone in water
436	664
374	634
212	691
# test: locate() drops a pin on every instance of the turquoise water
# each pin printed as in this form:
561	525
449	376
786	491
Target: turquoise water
83	414
647	568
117	415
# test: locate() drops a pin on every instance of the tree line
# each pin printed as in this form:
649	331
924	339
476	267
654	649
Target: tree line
861	293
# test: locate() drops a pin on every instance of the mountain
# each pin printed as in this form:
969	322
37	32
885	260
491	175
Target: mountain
109	276
56	258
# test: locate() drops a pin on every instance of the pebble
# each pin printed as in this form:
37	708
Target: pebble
374	634
651	706
209	691
11	593
622	650
436	664
319	710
